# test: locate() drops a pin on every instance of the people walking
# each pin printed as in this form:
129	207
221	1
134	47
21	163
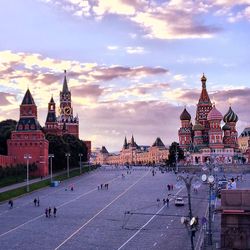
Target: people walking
158	202
49	211
11	203
46	212
54	211
167	202
38	202
35	201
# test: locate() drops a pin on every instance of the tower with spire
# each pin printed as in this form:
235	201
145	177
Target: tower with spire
66	122
28	137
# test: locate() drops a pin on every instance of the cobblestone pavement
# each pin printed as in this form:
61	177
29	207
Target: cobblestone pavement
88	218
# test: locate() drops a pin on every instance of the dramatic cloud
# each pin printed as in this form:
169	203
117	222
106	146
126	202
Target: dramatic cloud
6	99
106	74
163	20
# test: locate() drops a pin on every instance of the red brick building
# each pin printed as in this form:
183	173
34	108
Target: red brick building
28	138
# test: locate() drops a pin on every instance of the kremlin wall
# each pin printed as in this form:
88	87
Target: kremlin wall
28	139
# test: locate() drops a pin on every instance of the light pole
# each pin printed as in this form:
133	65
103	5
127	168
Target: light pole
210	178
51	173
80	155
67	155
176	159
187	180
27	157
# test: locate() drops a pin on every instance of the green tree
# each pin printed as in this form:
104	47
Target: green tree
59	145
5	132
175	153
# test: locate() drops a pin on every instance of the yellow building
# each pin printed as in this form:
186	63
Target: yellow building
243	139
133	154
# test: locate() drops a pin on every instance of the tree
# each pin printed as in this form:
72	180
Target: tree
59	145
175	153
5	132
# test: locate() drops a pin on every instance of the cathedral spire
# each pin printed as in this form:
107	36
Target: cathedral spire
204	98
65	84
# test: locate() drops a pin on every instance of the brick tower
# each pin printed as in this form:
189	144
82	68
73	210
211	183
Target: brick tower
28	137
66	121
204	106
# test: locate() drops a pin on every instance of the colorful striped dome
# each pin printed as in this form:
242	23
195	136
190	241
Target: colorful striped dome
226	127
185	115
214	114
230	116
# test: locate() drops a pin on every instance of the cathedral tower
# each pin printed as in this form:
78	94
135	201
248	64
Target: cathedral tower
204	106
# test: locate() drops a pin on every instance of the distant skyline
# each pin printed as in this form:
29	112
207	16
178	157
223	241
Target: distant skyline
132	64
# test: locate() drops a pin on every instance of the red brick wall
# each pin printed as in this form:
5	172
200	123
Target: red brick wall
32	143
6	161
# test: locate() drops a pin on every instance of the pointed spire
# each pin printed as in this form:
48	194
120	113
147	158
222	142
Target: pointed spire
132	140
52	100
204	98
28	99
125	145
65	84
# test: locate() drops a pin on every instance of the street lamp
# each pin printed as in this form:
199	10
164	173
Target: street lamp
187	180
80	155
27	157
51	174
210	178
67	155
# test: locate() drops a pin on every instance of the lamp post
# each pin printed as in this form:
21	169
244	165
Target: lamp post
211	180
176	159
80	155
27	157
51	173
187	180
67	155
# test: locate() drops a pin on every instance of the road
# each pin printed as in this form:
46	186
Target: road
89	218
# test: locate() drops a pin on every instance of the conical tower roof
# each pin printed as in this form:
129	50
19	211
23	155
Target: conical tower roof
104	150
28	99
125	144
204	98
65	83
52	99
230	116
158	143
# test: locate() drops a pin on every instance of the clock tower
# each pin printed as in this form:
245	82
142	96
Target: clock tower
65	122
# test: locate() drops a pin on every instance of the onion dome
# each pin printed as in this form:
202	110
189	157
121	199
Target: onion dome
198	126
214	114
226	127
185	115
230	116
203	78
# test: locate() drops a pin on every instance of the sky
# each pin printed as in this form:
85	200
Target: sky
132	65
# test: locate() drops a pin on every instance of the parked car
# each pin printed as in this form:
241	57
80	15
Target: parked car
179	201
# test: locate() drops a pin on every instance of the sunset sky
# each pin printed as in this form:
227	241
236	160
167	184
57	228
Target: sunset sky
132	64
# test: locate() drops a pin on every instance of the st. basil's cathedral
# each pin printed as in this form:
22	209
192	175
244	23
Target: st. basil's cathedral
206	139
